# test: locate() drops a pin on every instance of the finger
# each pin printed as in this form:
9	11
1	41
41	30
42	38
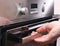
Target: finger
35	35
44	28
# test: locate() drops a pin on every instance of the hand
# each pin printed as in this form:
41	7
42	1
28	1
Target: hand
53	30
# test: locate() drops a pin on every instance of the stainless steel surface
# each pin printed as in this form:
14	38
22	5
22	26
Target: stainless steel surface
8	9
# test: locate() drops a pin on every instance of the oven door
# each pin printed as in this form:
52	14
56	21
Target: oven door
24	39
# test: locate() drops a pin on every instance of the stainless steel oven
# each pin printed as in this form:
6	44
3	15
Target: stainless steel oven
18	34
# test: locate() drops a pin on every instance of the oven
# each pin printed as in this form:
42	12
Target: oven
19	34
